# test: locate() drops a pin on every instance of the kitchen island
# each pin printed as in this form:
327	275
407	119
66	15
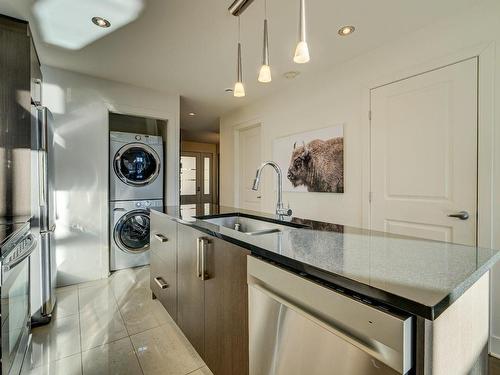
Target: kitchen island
442	287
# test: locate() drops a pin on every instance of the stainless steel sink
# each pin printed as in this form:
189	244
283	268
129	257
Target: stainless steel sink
250	226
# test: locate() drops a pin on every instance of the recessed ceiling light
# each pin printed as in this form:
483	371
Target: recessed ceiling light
191	114
101	22
346	30
229	89
291	75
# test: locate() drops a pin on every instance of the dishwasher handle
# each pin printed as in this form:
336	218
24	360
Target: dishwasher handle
353	339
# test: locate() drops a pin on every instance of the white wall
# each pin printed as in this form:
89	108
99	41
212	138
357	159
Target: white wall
341	96
80	105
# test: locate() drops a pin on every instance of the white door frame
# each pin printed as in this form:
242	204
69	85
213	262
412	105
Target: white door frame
237	129
485	53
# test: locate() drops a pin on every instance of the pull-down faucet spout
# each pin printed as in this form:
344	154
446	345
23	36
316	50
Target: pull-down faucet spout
280	209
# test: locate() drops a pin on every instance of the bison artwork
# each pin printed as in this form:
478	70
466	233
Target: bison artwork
318	165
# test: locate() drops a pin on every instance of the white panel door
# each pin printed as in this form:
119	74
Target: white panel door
249	162
424	154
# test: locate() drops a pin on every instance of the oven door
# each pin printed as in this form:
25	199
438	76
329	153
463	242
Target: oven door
15	305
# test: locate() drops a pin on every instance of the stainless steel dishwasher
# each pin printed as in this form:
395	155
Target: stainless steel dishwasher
299	327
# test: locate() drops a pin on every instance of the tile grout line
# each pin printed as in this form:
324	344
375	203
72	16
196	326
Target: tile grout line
128	333
80	330
190	372
79	318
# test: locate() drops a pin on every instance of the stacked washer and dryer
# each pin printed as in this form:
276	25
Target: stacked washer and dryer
136	185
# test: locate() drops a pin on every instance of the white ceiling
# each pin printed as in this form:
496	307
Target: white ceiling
189	46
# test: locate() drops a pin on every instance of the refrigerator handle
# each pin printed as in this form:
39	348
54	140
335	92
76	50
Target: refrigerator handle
50	230
42	178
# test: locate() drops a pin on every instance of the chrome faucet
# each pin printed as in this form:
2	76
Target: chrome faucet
280	209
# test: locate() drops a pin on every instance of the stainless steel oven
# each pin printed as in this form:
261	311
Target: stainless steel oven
15	296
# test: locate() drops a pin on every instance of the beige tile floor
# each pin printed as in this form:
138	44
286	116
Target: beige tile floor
111	326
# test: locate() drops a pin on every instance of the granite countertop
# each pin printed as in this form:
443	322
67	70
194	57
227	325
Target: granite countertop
421	277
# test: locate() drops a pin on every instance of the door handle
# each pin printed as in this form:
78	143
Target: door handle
462	215
161	283
160	237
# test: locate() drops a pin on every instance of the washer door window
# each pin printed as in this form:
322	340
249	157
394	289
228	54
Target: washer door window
137	164
132	232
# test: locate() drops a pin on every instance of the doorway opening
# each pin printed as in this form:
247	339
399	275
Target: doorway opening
199	173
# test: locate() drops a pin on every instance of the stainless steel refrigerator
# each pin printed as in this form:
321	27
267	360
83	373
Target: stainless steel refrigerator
43	262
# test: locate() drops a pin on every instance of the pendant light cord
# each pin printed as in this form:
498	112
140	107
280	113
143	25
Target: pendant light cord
239	30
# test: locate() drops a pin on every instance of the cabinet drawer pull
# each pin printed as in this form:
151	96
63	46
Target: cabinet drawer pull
161	237
161	283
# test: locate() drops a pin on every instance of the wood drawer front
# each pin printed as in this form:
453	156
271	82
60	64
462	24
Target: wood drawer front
166	275
163	238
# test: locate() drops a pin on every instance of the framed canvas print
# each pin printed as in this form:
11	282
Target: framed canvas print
312	161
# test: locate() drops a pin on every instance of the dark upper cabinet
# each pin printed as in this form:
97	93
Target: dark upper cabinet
35	75
15	118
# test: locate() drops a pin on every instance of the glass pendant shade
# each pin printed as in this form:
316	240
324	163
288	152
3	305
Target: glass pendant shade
301	53
265	74
302	50
239	90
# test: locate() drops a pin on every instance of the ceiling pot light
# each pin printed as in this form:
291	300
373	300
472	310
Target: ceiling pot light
239	89
346	30
302	51
101	22
265	69
191	114
291	75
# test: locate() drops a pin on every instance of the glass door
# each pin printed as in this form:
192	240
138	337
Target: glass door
197	183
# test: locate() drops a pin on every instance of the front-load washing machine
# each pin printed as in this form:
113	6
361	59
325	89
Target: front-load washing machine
136	166
129	233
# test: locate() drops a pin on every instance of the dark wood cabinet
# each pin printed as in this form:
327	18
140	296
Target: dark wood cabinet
211	291
190	288
226	308
163	270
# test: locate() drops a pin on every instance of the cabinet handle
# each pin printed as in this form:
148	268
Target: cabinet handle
204	274
160	237
198	248
201	258
161	283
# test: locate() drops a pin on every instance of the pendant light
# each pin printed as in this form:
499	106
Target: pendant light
265	69
239	89
302	50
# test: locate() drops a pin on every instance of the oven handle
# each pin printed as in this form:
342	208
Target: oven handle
25	254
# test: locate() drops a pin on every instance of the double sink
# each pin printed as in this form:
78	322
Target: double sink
251	226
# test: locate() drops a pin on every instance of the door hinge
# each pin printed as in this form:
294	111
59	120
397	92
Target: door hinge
369	115
370	197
